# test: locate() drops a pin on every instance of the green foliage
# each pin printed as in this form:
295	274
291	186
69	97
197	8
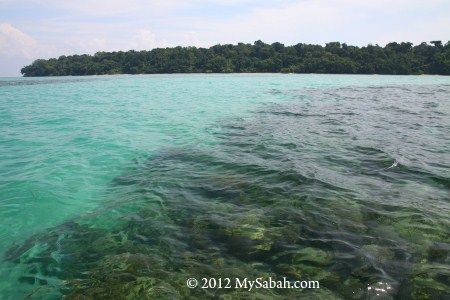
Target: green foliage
335	58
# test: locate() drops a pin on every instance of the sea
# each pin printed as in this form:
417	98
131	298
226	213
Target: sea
193	186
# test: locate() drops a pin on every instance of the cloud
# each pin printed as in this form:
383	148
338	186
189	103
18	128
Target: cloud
420	31
320	21
83	45
142	39
147	39
14	42
113	7
192	38
18	49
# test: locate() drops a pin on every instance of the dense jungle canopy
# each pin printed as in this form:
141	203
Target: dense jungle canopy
335	58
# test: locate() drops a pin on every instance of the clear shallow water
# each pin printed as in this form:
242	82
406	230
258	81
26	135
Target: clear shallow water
130	185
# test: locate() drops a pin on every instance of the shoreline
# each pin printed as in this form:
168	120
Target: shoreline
231	73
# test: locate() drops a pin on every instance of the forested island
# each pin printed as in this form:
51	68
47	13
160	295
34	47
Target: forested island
335	58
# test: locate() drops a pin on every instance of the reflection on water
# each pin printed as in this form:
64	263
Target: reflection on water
348	187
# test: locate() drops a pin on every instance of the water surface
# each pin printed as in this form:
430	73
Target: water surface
126	186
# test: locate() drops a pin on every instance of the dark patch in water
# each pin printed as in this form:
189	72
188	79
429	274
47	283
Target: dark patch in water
11	82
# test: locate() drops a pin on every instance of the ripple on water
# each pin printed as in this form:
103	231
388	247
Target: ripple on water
285	193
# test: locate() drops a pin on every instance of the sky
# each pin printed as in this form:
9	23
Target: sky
32	29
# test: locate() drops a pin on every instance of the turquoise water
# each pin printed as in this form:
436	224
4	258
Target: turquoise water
126	186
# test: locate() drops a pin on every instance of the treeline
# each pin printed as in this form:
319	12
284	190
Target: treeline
335	58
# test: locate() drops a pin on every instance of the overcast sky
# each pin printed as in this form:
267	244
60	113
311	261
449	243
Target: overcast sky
31	29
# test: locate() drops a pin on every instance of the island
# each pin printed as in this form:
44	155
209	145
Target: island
335	58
